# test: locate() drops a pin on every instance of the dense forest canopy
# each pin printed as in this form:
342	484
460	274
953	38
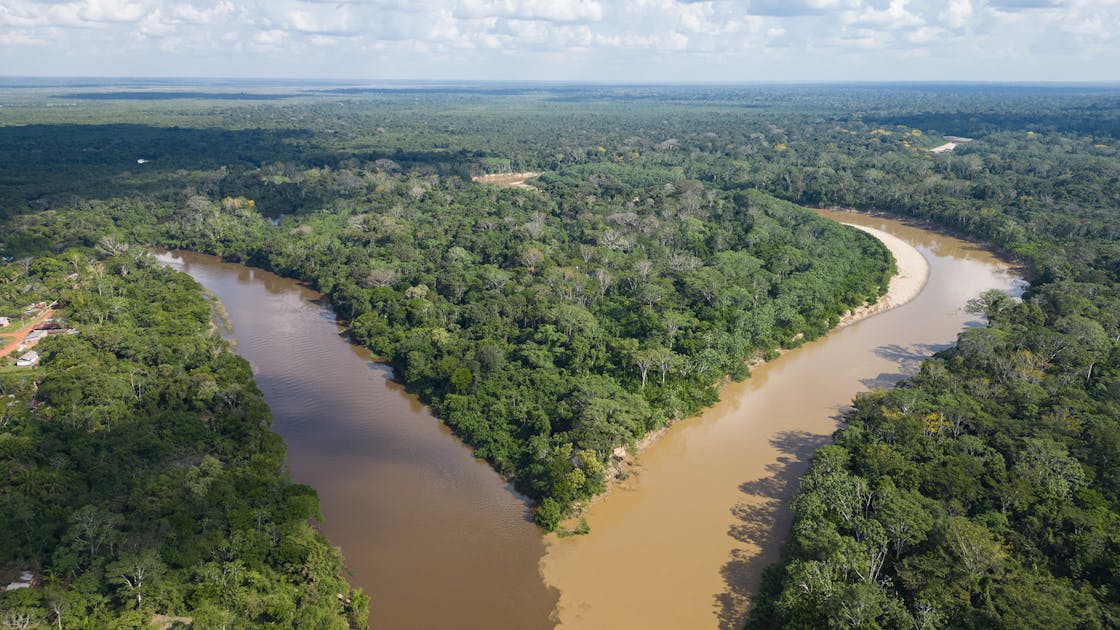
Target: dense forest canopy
140	475
547	326
656	253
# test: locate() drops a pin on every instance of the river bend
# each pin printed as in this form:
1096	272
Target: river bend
440	540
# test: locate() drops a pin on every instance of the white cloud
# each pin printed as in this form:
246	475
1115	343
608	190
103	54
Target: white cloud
155	24
926	34
551	10
958	13
16	38
270	39
1091	27
600	39
191	14
111	11
1024	5
893	16
320	23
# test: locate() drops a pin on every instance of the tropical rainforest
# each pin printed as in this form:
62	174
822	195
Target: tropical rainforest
660	248
140	474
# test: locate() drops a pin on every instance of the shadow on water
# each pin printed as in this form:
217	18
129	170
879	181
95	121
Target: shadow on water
762	521
763	518
907	358
910	357
883	380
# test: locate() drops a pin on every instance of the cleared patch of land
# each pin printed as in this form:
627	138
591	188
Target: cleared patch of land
9	342
953	142
506	180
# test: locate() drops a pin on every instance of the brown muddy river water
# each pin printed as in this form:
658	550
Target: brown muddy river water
440	540
435	537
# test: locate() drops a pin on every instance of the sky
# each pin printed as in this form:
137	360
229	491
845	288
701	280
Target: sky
566	40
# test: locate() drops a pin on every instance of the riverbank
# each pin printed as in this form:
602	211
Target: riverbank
911	275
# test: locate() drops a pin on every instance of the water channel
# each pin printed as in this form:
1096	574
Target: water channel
438	539
434	536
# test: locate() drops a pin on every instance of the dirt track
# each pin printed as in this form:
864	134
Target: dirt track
13	340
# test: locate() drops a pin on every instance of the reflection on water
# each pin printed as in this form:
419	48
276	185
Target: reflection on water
685	544
435	537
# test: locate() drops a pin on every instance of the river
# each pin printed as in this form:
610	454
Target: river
682	543
434	536
438	539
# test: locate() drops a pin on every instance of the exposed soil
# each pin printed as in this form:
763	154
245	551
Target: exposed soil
13	340
506	180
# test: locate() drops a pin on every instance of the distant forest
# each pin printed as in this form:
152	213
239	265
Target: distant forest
662	247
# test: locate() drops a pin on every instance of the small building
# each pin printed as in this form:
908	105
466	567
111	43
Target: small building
35	335
4	321
28	360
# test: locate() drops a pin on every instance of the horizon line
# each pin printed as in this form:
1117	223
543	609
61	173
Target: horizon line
590	82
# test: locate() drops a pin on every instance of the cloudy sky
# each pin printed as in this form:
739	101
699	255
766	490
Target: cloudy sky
594	40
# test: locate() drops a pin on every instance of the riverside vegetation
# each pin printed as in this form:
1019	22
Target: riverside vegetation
140	476
548	326
983	492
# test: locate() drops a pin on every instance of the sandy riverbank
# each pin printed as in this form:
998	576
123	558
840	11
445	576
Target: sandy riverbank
912	272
